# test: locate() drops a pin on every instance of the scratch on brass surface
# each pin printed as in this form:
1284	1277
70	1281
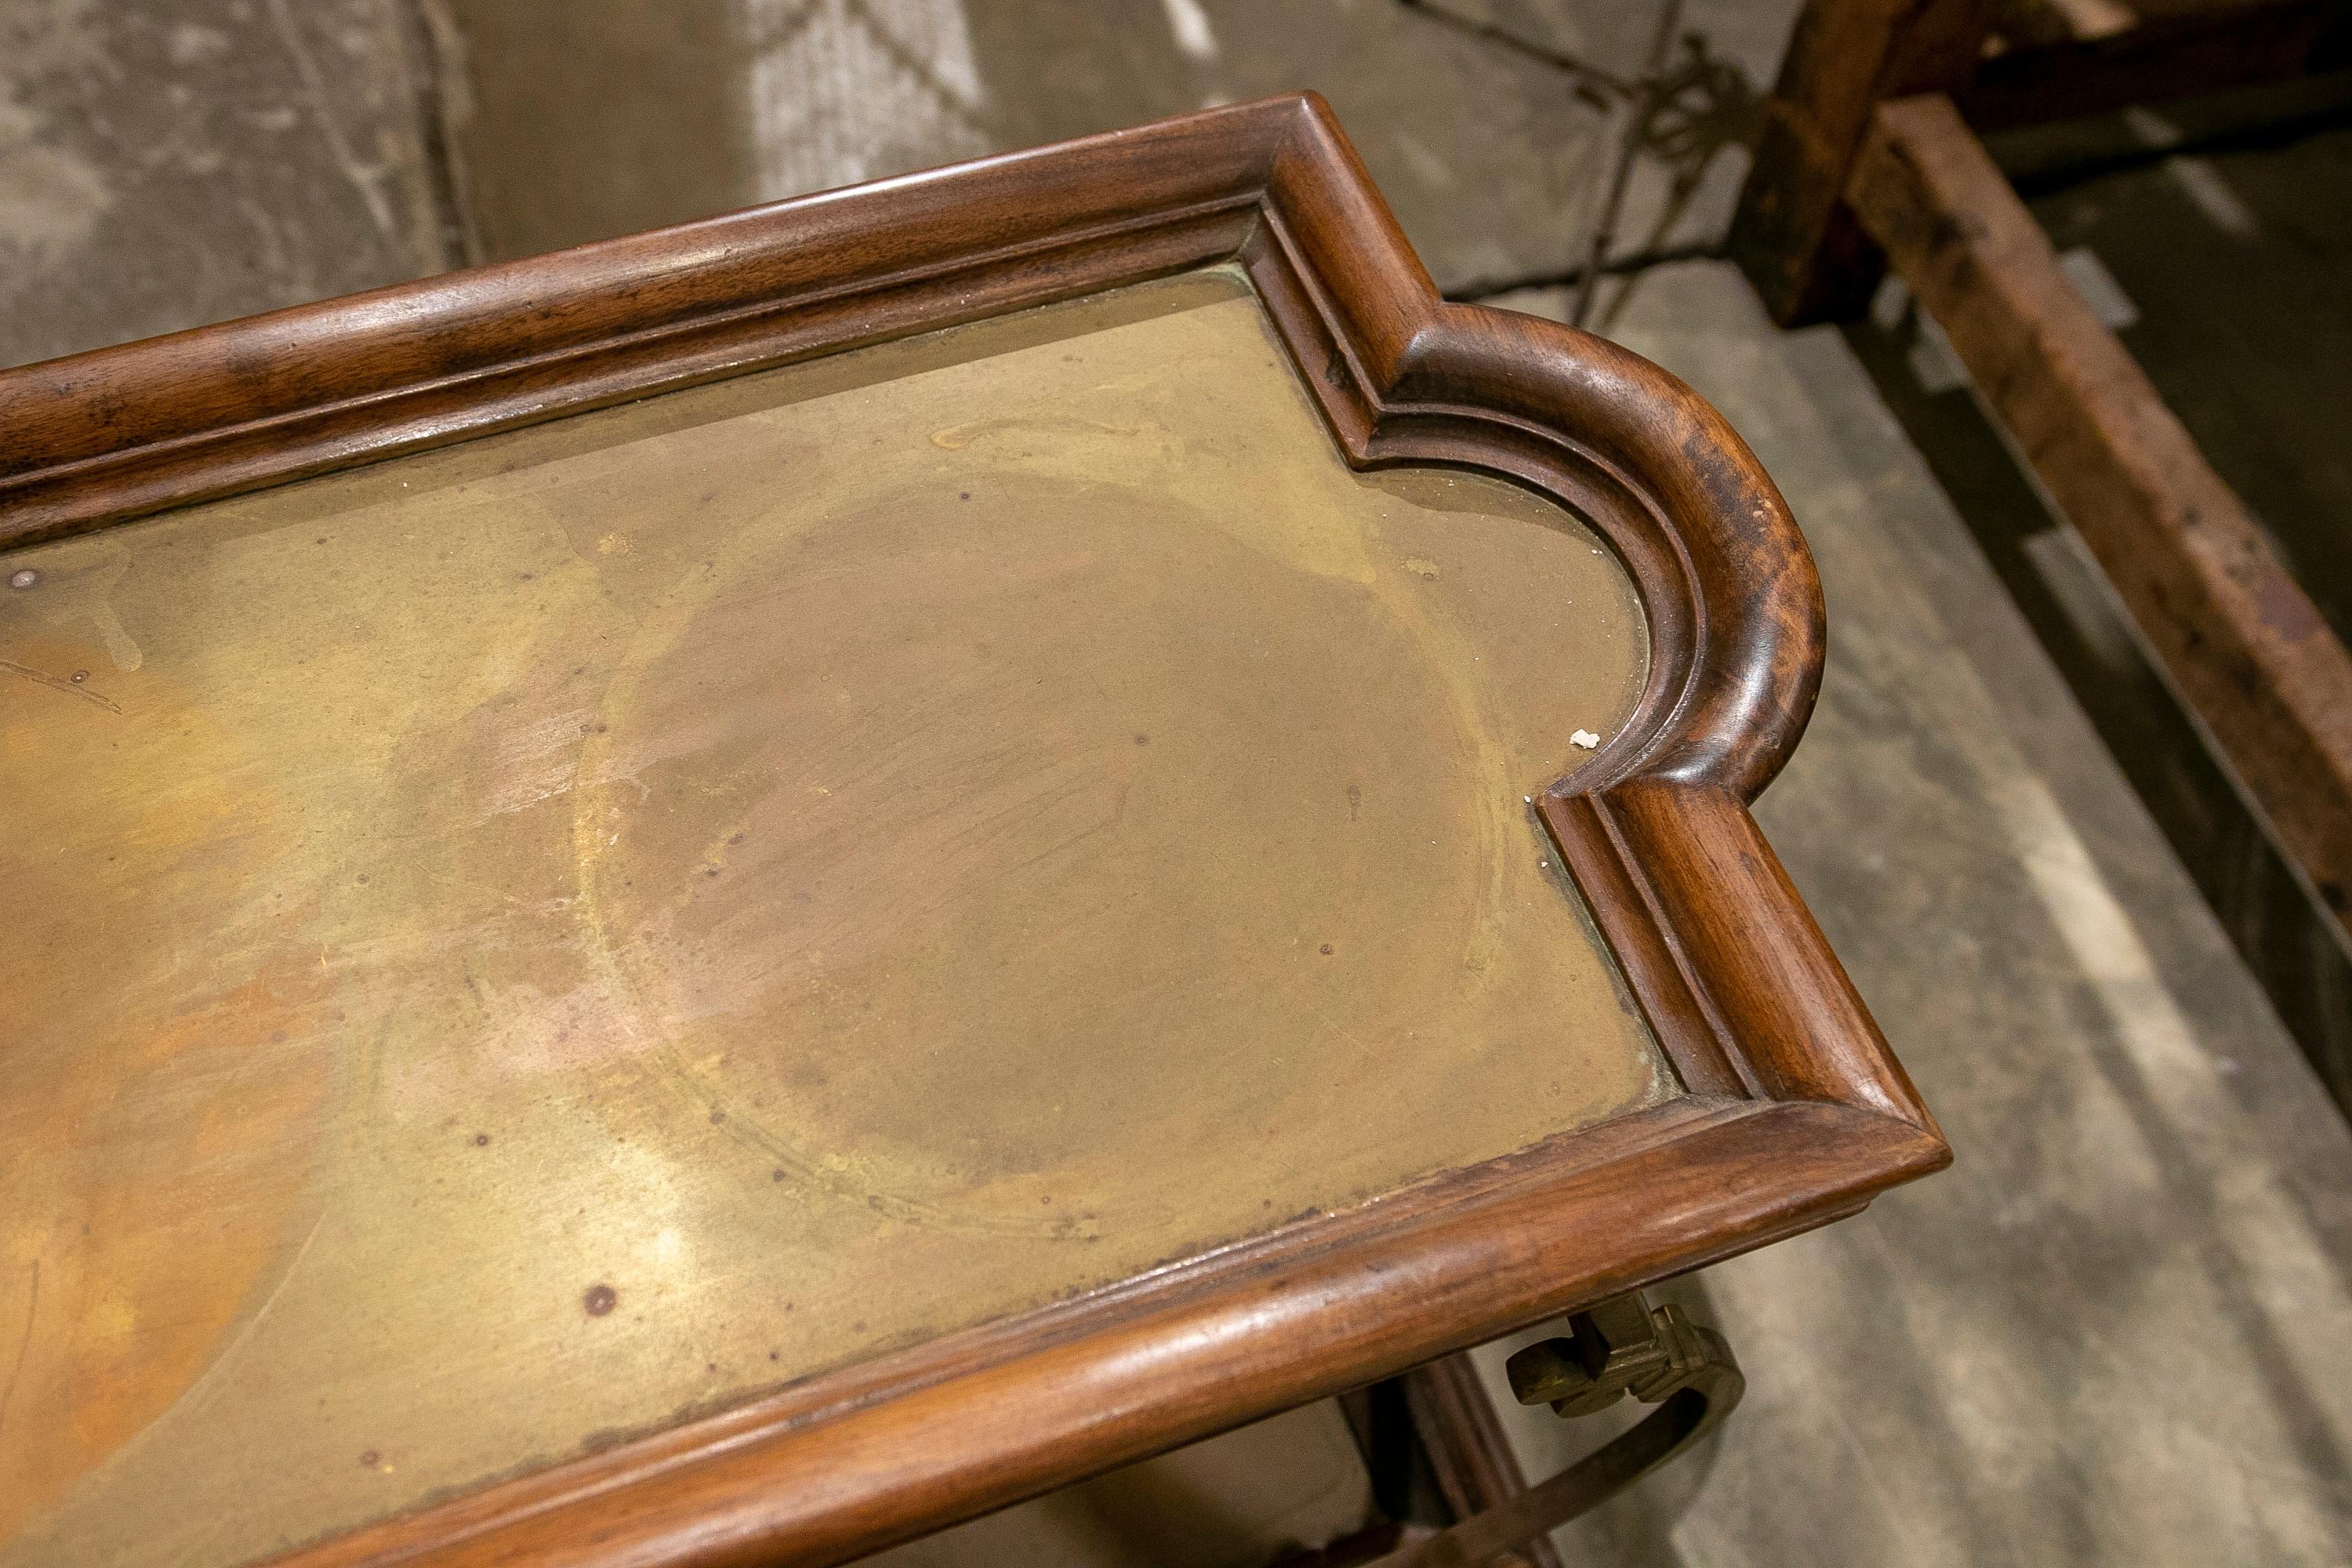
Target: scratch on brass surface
59	683
201	1390
24	1345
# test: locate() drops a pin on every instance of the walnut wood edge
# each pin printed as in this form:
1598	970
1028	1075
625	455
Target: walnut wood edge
854	1463
1796	1113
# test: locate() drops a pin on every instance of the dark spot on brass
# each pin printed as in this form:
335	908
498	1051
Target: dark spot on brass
600	1299
1143	740
527	576
362	877
772	1355
78	676
710	871
734	838
716	1116
370	1459
775	1176
858	1327
1327	950
481	1140
318	541
963	495
710	1366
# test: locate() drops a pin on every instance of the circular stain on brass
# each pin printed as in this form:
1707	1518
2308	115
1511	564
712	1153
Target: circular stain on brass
600	1299
1081	831
1327	950
78	676
370	1459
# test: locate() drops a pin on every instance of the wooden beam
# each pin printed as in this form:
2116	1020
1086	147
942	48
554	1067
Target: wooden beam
2238	638
2162	58
1792	234
1469	1449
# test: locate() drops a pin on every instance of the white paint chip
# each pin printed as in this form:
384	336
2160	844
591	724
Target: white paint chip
1584	738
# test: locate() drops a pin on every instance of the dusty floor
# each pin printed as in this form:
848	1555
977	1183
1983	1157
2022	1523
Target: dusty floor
2117	1331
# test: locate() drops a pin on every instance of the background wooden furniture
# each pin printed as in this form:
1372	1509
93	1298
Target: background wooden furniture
1869	159
1774	1104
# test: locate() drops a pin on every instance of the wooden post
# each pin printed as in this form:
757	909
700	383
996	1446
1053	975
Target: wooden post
2239	639
1792	234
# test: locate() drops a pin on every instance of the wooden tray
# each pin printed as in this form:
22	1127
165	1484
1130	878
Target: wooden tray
725	896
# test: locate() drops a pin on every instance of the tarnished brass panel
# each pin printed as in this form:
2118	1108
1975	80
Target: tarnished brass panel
518	945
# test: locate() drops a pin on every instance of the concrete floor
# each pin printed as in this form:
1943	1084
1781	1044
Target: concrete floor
186	160
2116	1332
617	114
166	165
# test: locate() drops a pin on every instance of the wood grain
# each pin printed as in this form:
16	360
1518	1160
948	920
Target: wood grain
2231	628
1792	232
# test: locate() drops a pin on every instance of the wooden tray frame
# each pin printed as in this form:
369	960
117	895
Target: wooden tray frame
1796	1113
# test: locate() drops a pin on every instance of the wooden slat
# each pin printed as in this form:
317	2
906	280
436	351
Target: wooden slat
1792	234
2240	640
1469	1449
2162	58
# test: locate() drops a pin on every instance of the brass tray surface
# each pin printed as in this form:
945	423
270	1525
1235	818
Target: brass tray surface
527	944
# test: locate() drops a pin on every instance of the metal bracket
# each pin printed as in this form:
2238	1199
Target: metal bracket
1621	1346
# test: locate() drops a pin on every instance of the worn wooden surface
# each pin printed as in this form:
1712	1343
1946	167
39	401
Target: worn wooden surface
1793	1113
1794	235
2237	636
